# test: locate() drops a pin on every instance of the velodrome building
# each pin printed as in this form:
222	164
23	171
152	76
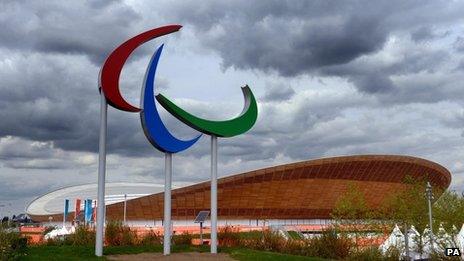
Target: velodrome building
306	190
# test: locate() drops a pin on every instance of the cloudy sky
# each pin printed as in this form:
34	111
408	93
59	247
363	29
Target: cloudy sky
331	78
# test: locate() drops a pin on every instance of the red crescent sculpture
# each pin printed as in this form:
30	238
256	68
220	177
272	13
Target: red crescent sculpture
111	69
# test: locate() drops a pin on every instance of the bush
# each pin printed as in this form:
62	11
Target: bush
392	253
441	257
182	239
368	254
12	245
297	247
229	237
56	242
330	245
117	234
151	238
270	241
83	236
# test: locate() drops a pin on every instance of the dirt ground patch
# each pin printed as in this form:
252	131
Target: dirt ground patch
174	257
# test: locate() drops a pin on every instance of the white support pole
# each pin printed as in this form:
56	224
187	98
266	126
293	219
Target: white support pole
167	203
101	177
213	194
125	208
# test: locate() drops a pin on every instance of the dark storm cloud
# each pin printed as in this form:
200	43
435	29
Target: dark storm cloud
55	85
82	27
45	98
404	59
310	37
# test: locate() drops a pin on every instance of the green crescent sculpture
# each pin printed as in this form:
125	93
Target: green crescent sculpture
227	128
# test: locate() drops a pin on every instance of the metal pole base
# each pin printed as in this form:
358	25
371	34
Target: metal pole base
213	194
167	204
101	178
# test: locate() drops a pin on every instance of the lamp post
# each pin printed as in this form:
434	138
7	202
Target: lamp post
429	194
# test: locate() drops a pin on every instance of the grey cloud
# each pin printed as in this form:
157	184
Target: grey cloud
312	37
459	44
90	28
20	149
392	52
278	92
422	33
425	33
373	83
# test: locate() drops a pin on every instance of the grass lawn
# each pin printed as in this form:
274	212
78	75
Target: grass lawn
244	254
87	252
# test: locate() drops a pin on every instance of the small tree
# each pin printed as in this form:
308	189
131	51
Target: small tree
409	207
448	210
352	213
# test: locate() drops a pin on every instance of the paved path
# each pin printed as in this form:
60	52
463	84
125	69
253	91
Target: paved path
174	257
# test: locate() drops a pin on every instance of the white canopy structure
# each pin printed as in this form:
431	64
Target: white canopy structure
426	241
443	239
460	239
58	232
395	240
413	239
53	202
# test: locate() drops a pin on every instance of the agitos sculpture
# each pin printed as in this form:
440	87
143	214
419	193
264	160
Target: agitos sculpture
155	130
228	128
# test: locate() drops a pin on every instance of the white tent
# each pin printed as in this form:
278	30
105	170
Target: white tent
62	231
460	239
443	239
426	241
413	239
395	240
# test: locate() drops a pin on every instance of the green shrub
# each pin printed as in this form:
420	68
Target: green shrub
83	236
229	237
269	241
151	238
392	254
330	245
117	234
368	254
57	242
182	239
296	247
439	256
12	245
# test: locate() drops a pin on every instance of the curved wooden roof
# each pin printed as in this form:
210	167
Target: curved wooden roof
302	190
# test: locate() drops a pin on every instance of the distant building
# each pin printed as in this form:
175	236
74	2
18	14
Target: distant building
291	193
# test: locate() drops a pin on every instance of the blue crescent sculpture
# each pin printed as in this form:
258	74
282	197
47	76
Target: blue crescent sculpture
153	127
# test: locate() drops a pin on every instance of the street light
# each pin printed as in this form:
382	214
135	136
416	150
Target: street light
125	209
429	194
